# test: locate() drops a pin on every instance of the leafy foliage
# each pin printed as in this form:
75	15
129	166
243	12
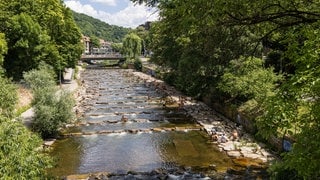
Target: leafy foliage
117	47
19	158
131	46
90	26
210	44
95	41
194	48
3	48
38	31
52	108
246	78
8	97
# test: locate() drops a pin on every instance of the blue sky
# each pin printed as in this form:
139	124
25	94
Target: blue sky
116	12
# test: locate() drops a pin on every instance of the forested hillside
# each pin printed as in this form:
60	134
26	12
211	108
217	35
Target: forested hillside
90	26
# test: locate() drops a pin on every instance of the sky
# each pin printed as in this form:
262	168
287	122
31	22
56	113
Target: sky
115	12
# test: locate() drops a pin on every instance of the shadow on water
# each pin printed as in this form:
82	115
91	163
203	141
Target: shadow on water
67	153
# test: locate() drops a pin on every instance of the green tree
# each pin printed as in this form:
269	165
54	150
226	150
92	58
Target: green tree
95	42
143	33
117	47
8	97
246	79
131	46
194	47
196	40
8	91
43	30
19	157
26	42
3	48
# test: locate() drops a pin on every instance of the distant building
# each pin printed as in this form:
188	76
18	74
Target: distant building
86	42
105	46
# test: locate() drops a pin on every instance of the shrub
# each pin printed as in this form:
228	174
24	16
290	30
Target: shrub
138	64
52	108
19	157
8	97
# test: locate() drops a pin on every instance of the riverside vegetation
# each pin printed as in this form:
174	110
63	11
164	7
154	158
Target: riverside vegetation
261	56
33	32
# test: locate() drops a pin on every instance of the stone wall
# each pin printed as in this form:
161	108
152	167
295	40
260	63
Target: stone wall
231	112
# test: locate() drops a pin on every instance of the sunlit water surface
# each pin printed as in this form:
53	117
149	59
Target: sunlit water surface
121	152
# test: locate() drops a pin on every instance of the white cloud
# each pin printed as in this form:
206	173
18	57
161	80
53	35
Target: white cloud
79	8
106	2
131	16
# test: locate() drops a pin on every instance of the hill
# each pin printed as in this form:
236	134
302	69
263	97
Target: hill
90	26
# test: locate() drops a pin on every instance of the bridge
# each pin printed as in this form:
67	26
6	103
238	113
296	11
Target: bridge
89	58
111	56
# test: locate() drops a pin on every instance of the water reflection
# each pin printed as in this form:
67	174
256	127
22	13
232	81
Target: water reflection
67	154
122	152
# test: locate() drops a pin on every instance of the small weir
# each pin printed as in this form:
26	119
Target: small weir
126	128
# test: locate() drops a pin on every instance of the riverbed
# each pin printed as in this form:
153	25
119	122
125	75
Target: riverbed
128	125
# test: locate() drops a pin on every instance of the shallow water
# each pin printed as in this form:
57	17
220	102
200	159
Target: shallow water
121	94
142	152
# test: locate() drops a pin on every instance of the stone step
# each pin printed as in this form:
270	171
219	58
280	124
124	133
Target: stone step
131	131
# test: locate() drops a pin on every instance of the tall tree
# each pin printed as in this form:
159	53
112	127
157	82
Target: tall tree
26	45
49	24
3	49
131	46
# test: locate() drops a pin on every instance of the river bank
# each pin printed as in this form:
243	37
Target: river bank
226	134
242	148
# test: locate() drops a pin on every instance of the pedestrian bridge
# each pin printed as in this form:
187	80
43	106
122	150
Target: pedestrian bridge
91	58
112	56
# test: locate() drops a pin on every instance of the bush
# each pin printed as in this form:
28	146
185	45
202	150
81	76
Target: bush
138	64
8	97
19	158
51	116
52	109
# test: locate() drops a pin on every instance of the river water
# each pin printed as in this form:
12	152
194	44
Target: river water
127	128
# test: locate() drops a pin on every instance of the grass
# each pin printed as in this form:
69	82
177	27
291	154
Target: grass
21	110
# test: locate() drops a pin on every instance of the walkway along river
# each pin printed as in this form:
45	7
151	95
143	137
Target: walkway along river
133	125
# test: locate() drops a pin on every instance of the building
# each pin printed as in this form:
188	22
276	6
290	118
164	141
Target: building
105	46
86	42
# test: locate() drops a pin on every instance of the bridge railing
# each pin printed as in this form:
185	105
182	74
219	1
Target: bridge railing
93	56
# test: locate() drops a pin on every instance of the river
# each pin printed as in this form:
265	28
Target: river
127	128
